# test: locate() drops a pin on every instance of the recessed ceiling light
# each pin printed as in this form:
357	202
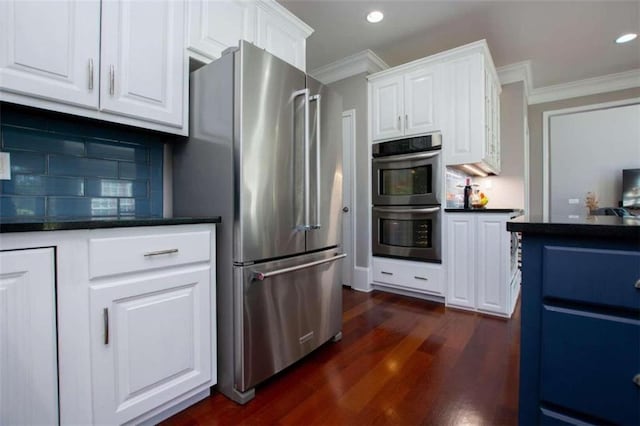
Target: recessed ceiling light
626	37
375	16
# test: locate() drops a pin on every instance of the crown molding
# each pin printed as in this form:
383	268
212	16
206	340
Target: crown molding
365	61
519	71
589	86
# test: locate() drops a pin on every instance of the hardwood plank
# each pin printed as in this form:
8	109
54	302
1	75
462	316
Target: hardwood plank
401	361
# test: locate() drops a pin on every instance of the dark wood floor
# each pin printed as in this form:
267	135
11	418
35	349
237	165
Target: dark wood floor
401	361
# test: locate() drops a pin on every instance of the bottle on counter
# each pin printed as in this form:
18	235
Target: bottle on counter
467	194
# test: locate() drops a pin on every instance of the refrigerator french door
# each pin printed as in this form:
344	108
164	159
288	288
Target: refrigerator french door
265	153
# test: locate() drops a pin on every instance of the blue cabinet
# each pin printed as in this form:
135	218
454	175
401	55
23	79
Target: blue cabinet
580	350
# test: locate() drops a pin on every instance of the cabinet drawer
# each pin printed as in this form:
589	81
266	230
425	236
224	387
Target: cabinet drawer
117	255
588	363
603	277
421	277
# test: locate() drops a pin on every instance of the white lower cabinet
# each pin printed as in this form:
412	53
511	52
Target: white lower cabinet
413	276
28	346
118	328
151	342
481	275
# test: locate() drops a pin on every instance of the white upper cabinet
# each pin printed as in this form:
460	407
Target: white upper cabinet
115	60
472	93
420	94
276	33
387	105
215	25
142	60
404	102
51	50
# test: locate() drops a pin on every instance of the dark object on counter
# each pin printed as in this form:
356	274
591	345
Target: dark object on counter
467	194
611	211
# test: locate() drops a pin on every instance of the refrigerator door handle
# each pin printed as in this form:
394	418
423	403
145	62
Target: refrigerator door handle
317	99
305	92
261	276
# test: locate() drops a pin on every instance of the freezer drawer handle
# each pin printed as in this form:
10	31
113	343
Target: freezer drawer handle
261	276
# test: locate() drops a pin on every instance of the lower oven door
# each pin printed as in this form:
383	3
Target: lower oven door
411	232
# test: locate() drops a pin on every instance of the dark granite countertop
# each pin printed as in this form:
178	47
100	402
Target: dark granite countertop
612	227
85	223
516	212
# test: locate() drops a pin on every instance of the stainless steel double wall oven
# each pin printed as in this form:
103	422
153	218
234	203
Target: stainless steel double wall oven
406	210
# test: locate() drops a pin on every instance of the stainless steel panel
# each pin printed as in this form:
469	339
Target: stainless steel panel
285	316
403	162
328	200
268	151
403	215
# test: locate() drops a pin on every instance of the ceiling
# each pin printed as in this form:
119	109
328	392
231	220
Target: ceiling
564	40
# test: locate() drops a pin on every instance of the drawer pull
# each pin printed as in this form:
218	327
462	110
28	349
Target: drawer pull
637	284
636	379
421	278
160	252
386	273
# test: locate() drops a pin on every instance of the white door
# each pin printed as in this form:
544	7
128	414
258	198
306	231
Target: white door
387	108
142	60
214	26
461	255
348	169
50	50
151	342
28	349
492	272
420	101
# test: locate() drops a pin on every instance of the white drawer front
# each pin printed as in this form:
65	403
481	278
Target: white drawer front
117	255
416	276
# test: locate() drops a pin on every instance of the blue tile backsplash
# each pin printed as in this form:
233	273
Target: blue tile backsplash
65	167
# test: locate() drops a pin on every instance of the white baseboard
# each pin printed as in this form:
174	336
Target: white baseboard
361	279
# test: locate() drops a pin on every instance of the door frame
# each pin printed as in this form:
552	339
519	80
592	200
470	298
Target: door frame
349	178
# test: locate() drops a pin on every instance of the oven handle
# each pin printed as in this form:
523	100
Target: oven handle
394	210
405	157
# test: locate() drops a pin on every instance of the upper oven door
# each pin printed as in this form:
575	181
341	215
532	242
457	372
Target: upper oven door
407	179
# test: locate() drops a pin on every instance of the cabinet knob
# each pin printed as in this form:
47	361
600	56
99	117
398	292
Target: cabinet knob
636	379
637	285
345	209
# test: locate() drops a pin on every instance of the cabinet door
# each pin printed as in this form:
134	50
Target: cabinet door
280	37
214	26
28	350
420	101
151	341
461	255
50	50
387	108
466	106
143	63
492	277
496	127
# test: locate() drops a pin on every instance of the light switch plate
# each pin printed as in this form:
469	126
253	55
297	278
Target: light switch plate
574	201
5	166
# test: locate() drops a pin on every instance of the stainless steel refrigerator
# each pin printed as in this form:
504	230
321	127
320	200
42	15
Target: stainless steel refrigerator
265	153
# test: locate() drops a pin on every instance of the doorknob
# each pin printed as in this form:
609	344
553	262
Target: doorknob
345	209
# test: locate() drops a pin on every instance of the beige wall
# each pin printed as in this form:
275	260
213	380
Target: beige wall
535	136
354	96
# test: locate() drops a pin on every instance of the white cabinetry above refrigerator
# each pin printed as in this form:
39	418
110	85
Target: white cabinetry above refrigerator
215	25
